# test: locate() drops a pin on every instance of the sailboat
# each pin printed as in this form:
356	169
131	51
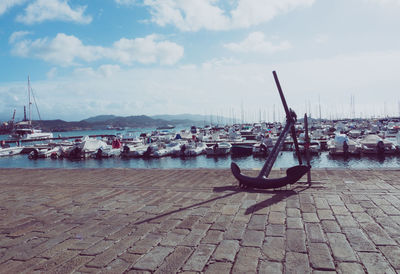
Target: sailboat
24	130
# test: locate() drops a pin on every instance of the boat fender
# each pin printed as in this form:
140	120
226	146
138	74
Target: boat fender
215	147
148	152
345	148
99	153
380	147
263	148
126	149
75	153
53	155
34	154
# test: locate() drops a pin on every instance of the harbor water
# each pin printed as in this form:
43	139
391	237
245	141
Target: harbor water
285	159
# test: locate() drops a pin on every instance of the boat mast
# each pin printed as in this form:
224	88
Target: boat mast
399	107
29	101
319	103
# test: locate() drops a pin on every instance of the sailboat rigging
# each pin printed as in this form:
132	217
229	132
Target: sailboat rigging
24	130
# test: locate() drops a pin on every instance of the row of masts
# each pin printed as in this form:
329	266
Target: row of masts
265	115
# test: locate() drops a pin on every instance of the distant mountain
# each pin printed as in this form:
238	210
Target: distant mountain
99	118
168	117
139	121
192	117
144	121
61	125
106	121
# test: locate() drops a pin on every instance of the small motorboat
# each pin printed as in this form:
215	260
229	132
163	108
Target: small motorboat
86	148
261	149
194	149
342	145
9	151
373	144
134	151
36	153
218	149
242	150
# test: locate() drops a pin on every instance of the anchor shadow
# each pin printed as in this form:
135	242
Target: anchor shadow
279	196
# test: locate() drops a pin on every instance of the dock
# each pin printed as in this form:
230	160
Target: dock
197	220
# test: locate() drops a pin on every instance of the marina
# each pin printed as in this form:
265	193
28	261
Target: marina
207	147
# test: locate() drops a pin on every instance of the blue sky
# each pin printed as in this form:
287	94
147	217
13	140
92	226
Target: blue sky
134	57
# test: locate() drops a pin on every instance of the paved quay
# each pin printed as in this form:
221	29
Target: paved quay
180	220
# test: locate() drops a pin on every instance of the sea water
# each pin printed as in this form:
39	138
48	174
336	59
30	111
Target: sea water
285	159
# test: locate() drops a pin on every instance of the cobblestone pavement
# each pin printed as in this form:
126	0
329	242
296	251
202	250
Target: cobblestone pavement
167	221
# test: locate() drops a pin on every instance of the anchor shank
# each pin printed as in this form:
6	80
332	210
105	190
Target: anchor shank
275	151
285	106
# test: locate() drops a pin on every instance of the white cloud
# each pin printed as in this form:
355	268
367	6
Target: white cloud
219	62
253	12
188	15
146	51
386	2
255	43
321	39
126	2
188	67
371	77
193	15
43	10
66	50
18	35
52	73
104	71
63	50
8	4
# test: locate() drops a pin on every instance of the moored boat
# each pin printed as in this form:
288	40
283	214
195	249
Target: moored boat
134	151
24	130
343	145
194	149
222	148
373	144
242	149
54	153
10	151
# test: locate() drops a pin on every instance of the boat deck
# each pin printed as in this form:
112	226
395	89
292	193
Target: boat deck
177	220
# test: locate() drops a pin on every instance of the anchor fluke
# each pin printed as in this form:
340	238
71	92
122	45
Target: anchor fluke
293	174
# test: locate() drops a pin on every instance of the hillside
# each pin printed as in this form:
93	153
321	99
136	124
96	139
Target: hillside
106	121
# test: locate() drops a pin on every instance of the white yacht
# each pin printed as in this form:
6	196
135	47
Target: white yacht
24	130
